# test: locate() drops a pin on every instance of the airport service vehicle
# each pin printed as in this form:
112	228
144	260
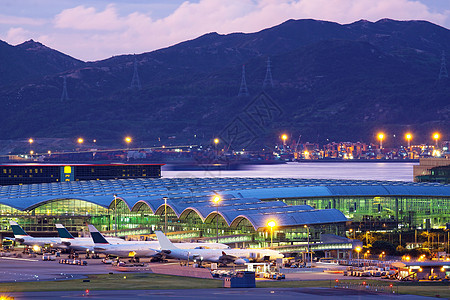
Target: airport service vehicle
81	243
22	237
140	248
222	256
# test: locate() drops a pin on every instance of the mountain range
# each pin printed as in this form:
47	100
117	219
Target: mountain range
330	82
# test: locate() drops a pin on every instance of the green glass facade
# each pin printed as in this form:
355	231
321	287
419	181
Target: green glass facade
247	203
390	212
74	214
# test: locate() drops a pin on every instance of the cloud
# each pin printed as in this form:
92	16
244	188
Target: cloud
90	33
87	18
17	35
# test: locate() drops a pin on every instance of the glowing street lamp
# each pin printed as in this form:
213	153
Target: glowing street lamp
358	249
408	137
30	141
271	224
216	141
128	140
284	137
436	137
381	138
352	232
80	141
217	200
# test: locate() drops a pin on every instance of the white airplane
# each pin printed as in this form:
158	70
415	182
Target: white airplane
22	237
138	248
81	243
236	256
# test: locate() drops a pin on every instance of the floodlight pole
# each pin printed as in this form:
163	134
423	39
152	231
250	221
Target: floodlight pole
217	223
307	255
165	215
271	237
115	213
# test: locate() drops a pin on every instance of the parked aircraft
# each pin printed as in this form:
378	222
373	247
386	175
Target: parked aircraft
22	237
138	248
127	249
236	256
81	243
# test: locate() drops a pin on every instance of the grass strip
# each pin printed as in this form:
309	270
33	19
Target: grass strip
149	281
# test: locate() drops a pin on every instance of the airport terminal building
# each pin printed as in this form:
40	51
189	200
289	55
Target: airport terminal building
138	206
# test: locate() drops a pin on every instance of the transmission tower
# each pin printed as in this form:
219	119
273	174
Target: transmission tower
64	95
268	82
243	91
443	72
135	82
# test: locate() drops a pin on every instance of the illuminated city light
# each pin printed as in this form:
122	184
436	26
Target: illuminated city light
381	138
436	137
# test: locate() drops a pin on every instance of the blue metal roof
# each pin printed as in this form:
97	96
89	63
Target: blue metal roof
240	196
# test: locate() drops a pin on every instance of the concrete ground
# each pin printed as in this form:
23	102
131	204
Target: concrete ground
28	268
248	294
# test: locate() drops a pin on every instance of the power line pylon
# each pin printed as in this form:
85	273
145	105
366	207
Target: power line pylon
243	90
64	95
268	82
135	82
443	72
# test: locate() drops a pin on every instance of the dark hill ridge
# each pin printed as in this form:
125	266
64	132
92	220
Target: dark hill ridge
332	81
31	61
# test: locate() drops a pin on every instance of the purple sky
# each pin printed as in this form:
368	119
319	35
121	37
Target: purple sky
98	29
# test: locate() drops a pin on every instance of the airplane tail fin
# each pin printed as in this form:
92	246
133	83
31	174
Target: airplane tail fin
17	230
63	232
164	242
97	237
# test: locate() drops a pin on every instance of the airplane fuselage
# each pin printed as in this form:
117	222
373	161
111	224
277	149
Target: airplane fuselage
33	241
148	248
212	255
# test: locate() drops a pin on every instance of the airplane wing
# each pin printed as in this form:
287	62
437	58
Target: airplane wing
226	258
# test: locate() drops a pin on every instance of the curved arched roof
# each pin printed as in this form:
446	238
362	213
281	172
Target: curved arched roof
240	196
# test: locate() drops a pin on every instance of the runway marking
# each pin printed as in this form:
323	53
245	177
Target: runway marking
15	258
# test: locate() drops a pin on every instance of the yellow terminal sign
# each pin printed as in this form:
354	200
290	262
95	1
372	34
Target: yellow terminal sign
67	174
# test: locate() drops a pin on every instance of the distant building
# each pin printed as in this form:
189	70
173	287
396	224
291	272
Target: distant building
432	170
28	173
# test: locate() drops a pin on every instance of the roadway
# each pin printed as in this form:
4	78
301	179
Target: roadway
29	268
248	294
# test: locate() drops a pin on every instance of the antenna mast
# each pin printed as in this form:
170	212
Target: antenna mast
268	82
64	95
135	82
443	72
243	91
